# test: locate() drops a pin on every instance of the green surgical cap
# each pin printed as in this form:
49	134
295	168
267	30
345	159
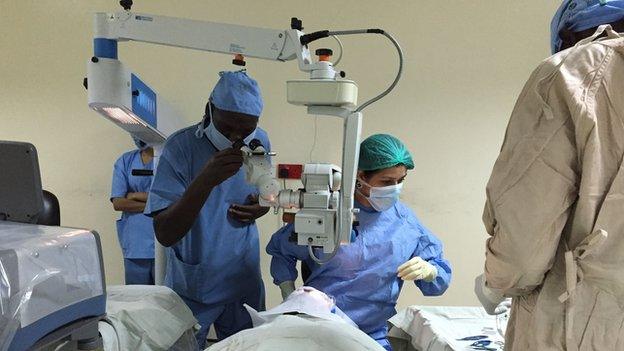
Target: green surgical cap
382	151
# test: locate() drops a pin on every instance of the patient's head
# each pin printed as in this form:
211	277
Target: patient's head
305	302
310	295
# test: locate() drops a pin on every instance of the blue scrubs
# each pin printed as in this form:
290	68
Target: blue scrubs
216	266
135	230
362	277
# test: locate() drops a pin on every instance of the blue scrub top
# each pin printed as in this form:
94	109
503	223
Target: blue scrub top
135	230
362	277
218	261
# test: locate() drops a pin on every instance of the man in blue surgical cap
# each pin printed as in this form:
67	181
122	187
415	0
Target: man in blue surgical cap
205	212
578	19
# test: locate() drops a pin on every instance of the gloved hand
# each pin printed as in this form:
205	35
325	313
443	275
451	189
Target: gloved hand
417	269
287	288
493	302
503	307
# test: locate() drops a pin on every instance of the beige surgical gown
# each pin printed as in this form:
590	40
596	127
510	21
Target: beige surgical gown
555	204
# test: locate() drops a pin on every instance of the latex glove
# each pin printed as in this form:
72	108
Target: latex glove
493	302
417	269
287	288
503	307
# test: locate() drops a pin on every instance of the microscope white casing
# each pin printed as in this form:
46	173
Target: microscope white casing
315	222
259	171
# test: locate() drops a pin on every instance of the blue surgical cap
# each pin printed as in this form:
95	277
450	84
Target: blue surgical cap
382	151
237	92
580	15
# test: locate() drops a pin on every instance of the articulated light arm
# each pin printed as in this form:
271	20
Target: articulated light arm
268	44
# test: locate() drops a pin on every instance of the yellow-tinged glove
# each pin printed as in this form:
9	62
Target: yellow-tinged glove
417	269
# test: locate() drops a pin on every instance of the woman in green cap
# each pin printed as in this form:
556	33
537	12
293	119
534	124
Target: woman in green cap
391	246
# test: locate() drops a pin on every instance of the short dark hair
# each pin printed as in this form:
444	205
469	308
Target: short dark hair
570	38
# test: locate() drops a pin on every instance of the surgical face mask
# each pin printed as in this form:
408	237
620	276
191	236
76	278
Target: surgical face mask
220	141
382	198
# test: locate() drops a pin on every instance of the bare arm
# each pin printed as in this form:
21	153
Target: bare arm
123	204
172	224
139	196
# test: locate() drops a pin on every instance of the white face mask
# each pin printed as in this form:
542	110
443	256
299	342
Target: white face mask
220	141
382	198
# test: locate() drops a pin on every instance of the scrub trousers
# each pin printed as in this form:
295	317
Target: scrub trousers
228	319
139	271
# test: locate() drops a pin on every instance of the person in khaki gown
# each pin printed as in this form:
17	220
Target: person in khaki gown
555	199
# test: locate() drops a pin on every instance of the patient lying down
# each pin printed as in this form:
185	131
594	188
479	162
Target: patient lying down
307	319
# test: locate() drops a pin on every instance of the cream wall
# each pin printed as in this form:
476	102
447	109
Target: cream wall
466	62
